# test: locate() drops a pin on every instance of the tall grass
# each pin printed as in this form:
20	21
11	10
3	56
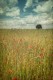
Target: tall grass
26	55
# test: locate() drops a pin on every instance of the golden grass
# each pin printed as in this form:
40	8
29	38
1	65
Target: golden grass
26	54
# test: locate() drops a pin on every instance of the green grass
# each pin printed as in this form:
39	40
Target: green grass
26	54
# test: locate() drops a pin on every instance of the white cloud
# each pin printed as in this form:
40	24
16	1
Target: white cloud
1	11
13	2
31	19
28	22
43	18
4	6
3	3
28	3
13	12
49	21
45	13
44	7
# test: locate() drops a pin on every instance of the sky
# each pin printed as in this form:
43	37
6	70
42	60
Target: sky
26	14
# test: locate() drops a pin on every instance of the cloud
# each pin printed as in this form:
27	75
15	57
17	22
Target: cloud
44	7
28	22
49	21
1	11
44	14
9	3
13	12
5	5
30	3
35	19
42	18
13	2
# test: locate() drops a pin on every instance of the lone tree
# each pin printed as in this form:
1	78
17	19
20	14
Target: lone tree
38	26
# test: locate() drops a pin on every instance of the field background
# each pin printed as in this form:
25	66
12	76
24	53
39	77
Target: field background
26	54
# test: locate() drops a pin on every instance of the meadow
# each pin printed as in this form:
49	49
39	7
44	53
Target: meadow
26	54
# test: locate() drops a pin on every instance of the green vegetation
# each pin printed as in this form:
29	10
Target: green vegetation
26	54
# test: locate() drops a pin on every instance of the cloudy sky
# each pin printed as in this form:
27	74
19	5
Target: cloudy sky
26	14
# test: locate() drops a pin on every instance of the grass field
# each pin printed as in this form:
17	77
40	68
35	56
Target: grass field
26	54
